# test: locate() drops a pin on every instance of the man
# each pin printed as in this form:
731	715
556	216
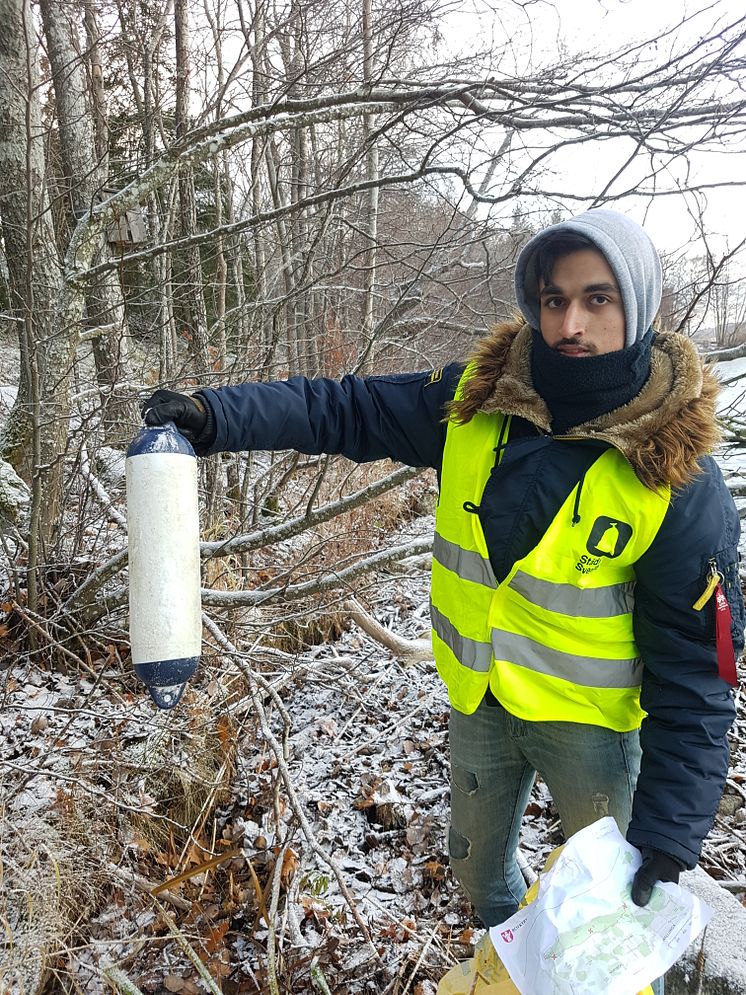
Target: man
585	552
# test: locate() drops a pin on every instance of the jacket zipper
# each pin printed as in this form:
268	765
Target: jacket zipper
715	578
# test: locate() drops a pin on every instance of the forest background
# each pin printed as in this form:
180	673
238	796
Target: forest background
200	193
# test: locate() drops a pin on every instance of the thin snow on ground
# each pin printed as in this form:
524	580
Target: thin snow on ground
733	377
367	753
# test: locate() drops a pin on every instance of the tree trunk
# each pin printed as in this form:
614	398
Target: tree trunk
96	87
258	150
370	226
192	295
84	177
34	436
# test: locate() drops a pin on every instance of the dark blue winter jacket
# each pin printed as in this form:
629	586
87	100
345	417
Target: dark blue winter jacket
664	433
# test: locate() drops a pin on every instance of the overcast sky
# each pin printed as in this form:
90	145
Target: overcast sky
585	26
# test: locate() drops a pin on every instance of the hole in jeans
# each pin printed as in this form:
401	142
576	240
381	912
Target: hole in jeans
459	847
465	780
601	805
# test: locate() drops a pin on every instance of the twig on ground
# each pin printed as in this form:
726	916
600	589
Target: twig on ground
192	954
130	877
198	869
318	979
701	963
425	948
255	679
271	918
529	875
120	981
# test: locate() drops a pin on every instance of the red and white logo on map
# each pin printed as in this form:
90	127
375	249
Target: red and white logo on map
507	935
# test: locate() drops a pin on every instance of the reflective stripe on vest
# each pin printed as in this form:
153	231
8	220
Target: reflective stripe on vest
471	654
560	624
589	602
588	671
465	562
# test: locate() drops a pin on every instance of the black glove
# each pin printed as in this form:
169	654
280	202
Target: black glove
655	867
187	413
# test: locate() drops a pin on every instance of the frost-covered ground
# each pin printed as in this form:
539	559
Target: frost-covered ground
367	756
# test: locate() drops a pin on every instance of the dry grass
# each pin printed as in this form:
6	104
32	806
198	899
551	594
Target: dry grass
46	885
184	767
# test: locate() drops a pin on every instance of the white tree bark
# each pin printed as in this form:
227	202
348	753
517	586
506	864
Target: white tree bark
84	176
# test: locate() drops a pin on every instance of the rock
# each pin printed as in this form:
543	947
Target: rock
730	804
15	498
723	963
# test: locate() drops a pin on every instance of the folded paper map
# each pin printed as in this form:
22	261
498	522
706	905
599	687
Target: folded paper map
583	934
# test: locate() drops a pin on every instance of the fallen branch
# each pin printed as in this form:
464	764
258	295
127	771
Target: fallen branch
198	869
84	597
207	978
130	877
85	600
112	513
735	887
407	651
724	355
287	530
120	981
326	582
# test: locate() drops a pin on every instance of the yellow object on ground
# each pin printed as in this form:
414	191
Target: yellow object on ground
484	973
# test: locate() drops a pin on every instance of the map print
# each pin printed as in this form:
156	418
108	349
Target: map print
584	935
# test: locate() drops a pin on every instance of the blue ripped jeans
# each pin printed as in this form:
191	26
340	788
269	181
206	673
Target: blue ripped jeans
590	771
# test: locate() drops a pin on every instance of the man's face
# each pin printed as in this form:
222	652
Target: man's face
581	310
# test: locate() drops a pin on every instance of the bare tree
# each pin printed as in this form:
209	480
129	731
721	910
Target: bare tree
35	432
726	304
191	285
337	189
84	178
321	187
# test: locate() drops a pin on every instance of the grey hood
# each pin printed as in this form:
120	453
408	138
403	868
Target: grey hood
628	251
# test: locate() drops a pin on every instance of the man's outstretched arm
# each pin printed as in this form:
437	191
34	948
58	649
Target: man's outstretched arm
398	416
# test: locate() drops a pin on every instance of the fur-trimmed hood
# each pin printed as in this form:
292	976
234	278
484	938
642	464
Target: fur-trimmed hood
662	431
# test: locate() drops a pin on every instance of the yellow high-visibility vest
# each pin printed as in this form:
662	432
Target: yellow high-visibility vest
554	640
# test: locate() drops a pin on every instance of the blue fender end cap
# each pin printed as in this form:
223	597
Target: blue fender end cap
166	679
160	439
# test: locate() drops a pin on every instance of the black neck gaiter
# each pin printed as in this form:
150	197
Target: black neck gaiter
578	390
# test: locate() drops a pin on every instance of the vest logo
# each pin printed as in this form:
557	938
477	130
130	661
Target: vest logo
607	538
507	935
